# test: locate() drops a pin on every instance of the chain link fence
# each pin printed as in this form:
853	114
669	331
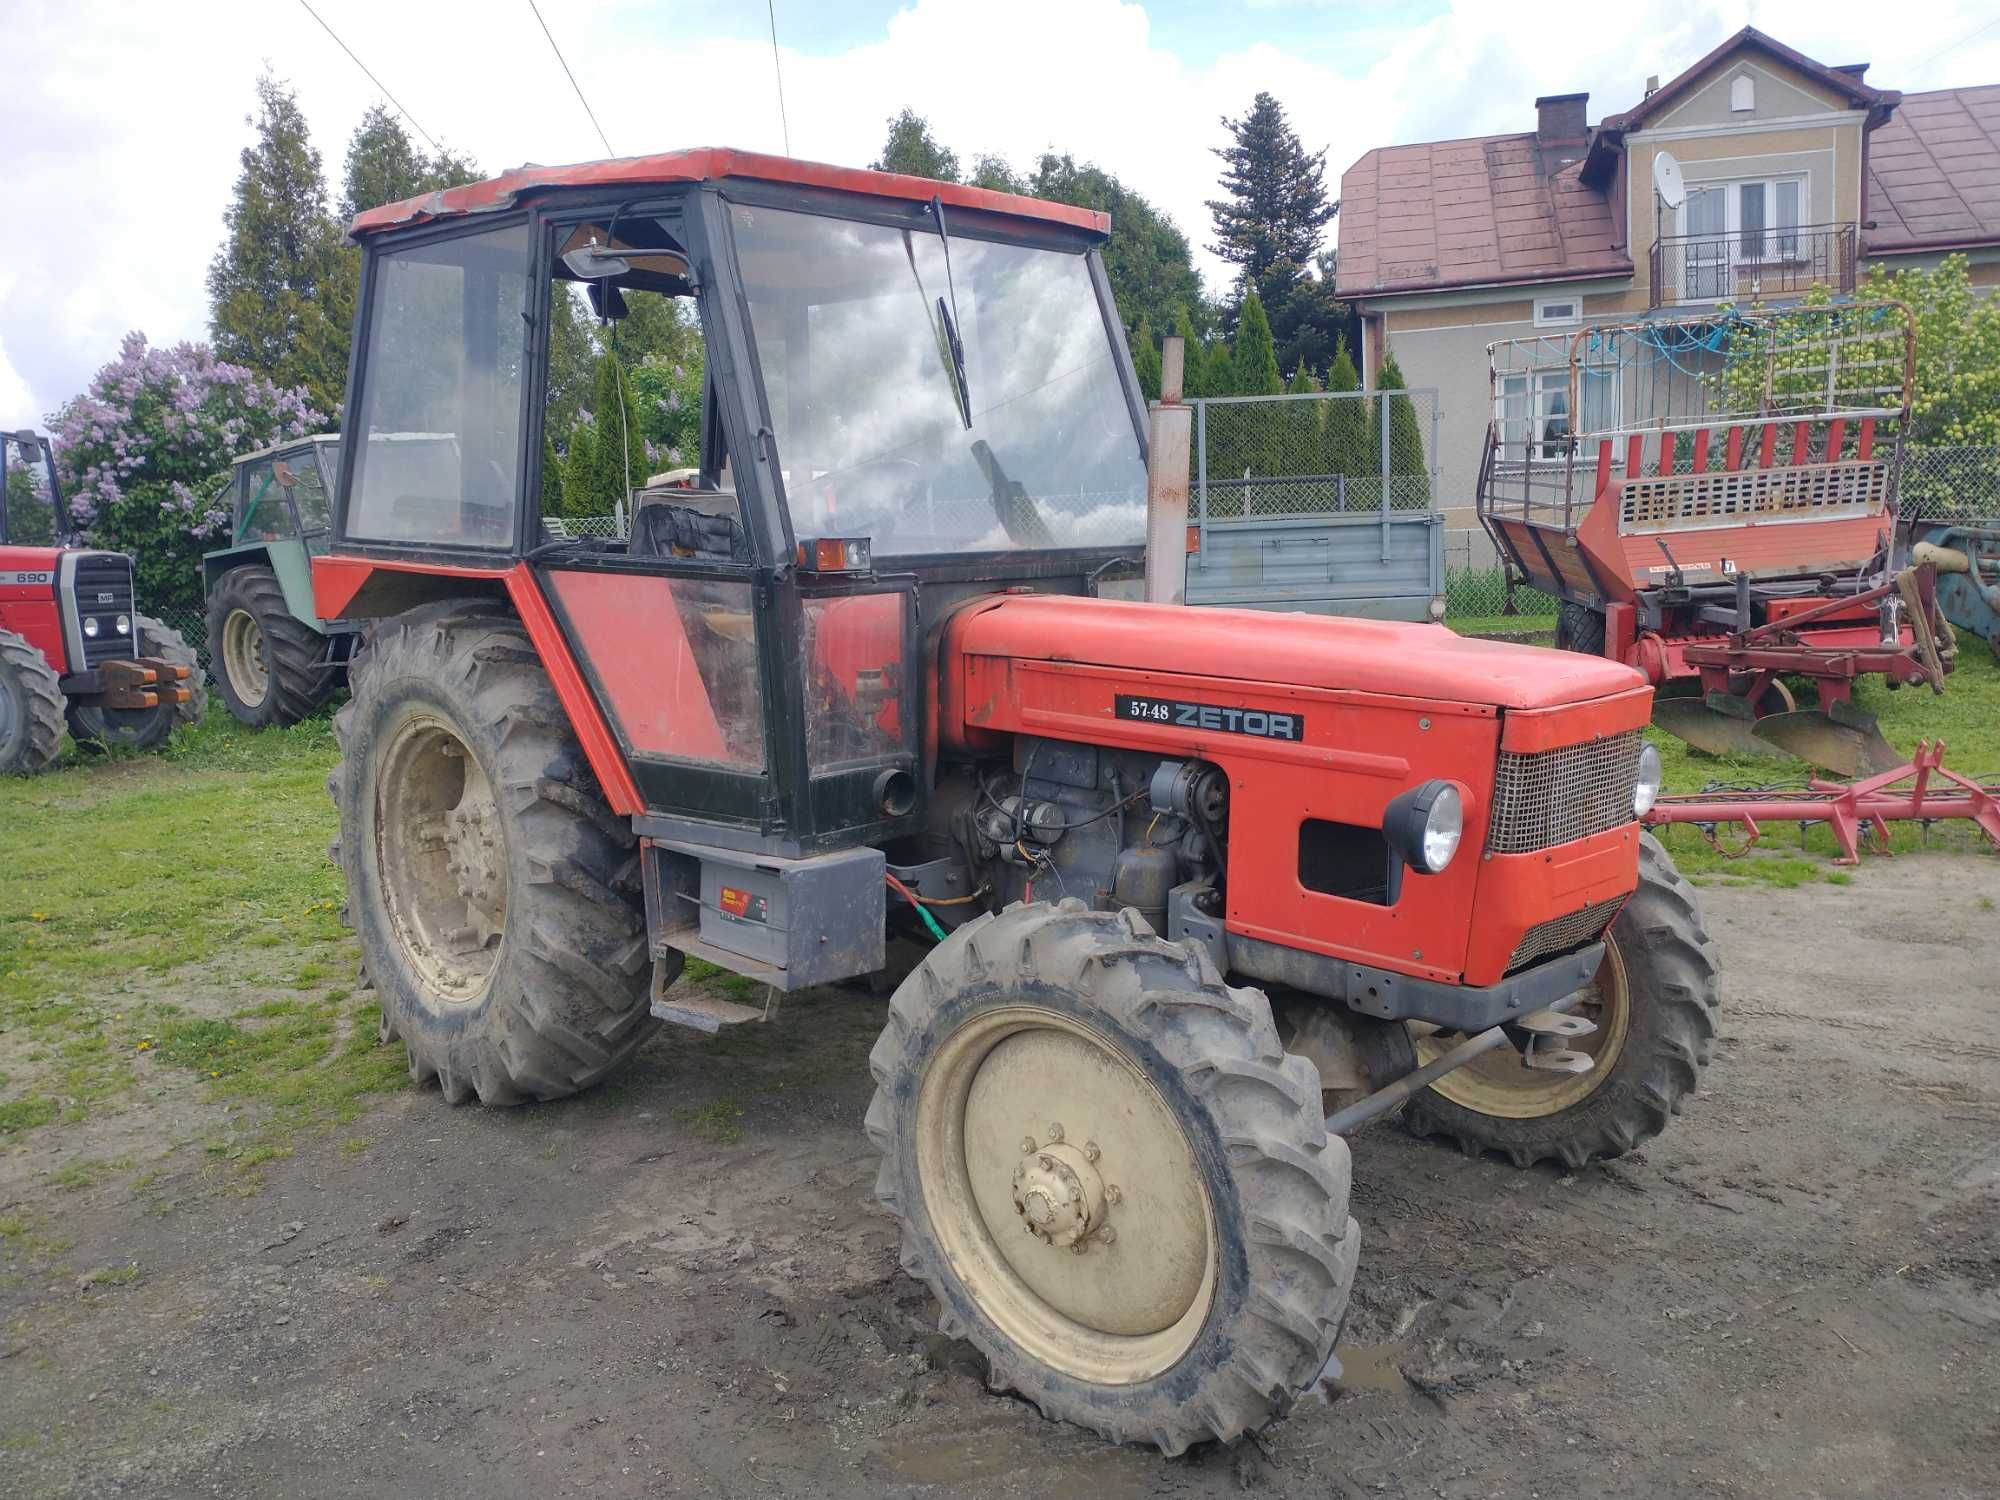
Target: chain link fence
1477	592
1959	483
1335	452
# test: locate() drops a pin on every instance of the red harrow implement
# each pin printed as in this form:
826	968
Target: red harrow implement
1847	808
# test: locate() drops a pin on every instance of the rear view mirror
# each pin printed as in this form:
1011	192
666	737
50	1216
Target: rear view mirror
595	262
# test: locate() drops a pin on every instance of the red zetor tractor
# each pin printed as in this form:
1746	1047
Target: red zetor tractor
1186	881
1713	501
73	649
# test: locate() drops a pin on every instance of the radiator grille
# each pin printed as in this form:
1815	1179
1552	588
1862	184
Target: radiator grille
103	584
1548	797
1563	934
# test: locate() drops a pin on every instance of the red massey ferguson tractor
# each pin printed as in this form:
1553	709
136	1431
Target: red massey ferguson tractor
74	651
1187	880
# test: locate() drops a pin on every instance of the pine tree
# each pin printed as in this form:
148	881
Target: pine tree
1146	360
1277	206
385	166
279	301
619	464
552	478
910	148
1347	425
1256	359
579	469
1269	224
1218	369
1409	474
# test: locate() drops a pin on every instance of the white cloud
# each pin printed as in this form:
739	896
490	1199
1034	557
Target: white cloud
17	402
122	122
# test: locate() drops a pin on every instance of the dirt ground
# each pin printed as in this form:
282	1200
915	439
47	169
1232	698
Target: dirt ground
680	1284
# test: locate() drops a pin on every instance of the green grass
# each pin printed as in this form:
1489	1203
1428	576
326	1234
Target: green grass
1489	626
126	880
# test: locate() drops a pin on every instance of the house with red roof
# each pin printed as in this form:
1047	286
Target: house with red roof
1784	173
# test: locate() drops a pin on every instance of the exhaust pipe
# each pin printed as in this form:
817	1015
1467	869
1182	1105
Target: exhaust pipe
1169	435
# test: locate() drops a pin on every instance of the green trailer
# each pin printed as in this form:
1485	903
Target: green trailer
271	655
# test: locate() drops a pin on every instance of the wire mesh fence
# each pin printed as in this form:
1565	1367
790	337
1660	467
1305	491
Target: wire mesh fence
1952	483
1477	591
192	624
1333	452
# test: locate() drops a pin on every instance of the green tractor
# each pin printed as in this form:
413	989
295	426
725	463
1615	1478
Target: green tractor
274	659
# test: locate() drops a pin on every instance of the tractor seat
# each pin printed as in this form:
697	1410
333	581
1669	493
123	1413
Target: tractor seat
688	523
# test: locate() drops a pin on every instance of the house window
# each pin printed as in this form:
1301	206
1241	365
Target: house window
1533	411
1551	312
1742	93
1729	225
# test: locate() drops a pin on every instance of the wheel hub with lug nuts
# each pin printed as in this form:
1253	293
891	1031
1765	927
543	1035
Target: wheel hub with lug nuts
1060	1195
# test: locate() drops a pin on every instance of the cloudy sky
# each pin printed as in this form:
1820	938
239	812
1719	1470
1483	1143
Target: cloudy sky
120	120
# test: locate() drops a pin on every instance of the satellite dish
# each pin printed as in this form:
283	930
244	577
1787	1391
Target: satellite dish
1667	180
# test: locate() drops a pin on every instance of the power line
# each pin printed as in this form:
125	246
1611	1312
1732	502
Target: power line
1977	31
373	79
572	79
771	9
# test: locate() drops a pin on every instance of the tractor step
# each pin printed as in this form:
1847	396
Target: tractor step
705	1013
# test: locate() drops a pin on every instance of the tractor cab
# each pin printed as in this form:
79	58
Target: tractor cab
282	493
909	397
31	509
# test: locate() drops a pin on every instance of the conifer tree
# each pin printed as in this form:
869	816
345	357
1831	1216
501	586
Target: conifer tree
1146	360
279	302
1409	475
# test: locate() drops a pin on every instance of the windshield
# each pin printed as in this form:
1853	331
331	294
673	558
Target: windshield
852	323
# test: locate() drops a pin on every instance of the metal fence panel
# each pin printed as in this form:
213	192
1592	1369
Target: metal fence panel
1324	500
1952	483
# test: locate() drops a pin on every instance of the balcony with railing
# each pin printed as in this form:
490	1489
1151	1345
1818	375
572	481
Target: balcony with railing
1752	265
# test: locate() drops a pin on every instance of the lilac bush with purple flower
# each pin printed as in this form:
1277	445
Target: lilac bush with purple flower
144	454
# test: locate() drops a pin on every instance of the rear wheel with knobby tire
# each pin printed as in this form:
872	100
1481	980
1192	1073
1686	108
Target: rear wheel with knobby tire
1654	1002
267	660
1112	1175
95	726
31	708
495	895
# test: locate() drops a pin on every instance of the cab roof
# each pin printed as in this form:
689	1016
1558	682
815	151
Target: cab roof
708	164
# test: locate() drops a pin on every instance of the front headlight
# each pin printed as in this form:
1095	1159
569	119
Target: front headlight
1647	791
90	626
124	624
1425	825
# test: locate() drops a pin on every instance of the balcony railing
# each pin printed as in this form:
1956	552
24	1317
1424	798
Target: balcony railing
1752	265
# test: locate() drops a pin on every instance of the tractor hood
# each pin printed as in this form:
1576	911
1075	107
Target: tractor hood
1320	651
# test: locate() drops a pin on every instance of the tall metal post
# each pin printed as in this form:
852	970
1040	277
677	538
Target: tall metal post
1169	430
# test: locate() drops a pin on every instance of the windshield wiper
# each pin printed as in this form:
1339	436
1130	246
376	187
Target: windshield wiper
950	344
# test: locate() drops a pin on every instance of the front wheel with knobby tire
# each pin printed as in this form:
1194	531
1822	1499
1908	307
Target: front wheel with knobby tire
31	708
495	895
1112	1175
95	726
267	660
1654	1002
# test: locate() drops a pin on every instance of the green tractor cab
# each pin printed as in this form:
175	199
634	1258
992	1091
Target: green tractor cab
273	657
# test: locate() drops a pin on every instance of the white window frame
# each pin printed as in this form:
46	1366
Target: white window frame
1732	216
1544	320
1548	420
1742	93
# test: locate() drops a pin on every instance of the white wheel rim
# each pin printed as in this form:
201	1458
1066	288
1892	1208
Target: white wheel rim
1120	1179
243	658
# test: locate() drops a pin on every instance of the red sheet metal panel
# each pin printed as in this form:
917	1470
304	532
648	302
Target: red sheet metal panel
1426	662
707	164
1772	547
